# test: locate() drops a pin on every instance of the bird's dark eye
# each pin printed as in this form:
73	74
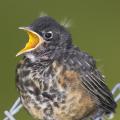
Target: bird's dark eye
48	35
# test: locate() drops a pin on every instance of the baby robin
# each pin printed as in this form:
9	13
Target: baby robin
58	81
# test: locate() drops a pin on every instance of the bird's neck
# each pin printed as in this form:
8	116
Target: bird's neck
46	56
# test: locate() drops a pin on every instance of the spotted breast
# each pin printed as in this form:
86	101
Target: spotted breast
51	92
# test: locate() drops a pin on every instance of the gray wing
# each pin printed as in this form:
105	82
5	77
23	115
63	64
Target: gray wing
92	79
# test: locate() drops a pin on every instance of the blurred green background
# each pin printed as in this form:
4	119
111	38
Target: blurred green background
95	29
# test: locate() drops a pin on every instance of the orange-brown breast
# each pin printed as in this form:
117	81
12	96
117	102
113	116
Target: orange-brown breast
79	103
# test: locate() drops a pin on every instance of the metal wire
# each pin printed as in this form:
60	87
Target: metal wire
18	105
14	109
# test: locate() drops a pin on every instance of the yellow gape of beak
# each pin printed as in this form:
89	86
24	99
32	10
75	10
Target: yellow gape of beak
34	41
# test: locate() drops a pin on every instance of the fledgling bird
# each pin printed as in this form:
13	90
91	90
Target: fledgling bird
58	81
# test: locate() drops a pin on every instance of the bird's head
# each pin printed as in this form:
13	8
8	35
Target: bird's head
45	34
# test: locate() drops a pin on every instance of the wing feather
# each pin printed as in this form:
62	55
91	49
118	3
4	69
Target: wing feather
91	78
97	87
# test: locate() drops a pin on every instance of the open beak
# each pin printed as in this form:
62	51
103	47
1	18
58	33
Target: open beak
34	41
